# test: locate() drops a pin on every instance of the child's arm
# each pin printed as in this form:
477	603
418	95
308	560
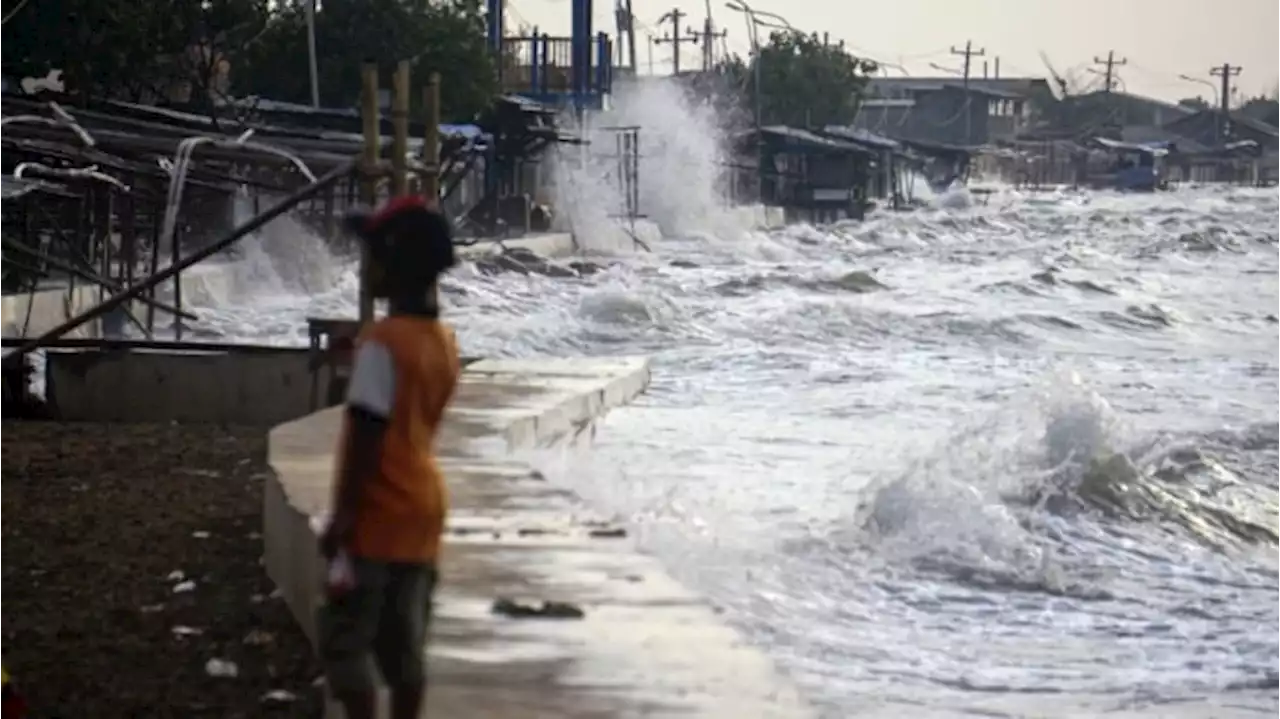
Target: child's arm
370	397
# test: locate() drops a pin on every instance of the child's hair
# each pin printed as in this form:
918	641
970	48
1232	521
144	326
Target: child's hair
411	243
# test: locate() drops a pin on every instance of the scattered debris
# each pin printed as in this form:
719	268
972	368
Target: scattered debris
258	638
200	534
184	587
533	531
279	696
546	610
221	668
607	533
136	629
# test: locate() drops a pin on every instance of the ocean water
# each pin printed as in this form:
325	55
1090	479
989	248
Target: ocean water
1004	458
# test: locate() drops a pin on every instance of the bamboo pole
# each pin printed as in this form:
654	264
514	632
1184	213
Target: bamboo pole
369	176
400	125
431	150
431	140
129	293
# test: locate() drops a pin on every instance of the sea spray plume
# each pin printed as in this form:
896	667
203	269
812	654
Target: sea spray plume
682	163
284	256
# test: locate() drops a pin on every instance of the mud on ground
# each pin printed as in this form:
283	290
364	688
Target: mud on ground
98	520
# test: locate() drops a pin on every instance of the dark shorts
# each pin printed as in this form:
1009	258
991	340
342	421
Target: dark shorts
380	625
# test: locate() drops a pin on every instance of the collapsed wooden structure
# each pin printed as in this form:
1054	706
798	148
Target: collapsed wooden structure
97	197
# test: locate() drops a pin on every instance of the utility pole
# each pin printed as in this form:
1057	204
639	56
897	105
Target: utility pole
1226	71
969	53
1111	64
709	36
675	38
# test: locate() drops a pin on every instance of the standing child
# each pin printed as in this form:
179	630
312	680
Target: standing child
389	498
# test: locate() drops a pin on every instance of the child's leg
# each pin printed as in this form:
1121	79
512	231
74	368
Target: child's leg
400	647
348	626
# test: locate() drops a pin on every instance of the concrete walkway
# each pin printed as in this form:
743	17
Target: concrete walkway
646	646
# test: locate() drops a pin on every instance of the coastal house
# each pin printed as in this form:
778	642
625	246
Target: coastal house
813	177
947	110
1212	128
1104	112
1239	148
885	171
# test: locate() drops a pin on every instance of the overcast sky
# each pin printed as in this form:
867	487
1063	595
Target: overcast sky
1161	39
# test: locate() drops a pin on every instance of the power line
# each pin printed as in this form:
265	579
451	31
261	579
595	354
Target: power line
1111	64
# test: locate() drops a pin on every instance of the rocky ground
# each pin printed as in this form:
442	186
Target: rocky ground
132	580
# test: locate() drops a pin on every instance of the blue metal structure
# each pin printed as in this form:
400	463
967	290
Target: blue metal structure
574	72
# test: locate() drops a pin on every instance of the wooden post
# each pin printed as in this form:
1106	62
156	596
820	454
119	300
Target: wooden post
369	175
431	140
400	125
431	150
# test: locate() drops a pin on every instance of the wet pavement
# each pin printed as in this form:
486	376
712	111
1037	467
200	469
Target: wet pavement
643	645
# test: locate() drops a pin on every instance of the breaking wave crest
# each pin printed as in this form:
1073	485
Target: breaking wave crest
808	455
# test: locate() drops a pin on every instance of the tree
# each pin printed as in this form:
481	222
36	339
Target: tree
197	51
446	37
142	51
804	82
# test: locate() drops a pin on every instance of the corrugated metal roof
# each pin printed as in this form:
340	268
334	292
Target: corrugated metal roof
988	90
274	106
1149	134
804	137
1020	86
1236	119
1156	149
862	137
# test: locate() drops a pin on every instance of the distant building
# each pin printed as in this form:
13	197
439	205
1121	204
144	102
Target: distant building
1211	127
1105	112
946	110
1262	109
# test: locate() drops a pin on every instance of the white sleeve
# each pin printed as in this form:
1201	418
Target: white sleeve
373	380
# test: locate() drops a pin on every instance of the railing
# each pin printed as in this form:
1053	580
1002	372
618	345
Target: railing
541	65
625	173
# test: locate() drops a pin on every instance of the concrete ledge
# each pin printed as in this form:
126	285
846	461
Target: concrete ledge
267	386
646	646
543	244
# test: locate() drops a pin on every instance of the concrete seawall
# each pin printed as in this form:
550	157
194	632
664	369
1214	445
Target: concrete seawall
33	313
646	646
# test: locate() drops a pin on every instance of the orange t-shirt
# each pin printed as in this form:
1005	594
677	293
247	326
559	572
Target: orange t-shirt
406	369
